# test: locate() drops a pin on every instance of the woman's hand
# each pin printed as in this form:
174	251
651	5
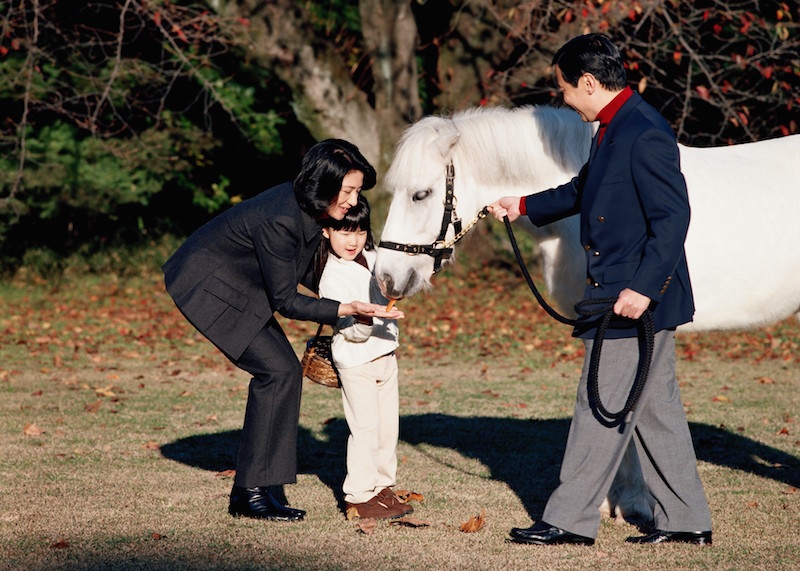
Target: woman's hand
506	206
369	310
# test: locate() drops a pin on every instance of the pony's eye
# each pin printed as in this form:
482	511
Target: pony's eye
421	195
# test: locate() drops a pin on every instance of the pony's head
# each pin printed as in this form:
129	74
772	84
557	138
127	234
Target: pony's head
495	152
417	181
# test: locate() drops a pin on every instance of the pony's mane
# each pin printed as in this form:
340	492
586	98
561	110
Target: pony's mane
503	140
498	139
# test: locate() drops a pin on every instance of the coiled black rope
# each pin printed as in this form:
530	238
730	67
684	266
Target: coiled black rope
645	328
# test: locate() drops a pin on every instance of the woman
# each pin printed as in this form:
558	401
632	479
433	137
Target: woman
234	273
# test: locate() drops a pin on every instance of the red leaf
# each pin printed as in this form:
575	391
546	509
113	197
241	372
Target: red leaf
473	524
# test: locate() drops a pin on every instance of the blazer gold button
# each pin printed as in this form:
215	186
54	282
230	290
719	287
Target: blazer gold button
596	253
588	281
601	218
587	247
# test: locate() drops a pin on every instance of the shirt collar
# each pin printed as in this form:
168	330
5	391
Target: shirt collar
607	113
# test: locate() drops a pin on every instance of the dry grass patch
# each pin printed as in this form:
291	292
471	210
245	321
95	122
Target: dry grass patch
137	424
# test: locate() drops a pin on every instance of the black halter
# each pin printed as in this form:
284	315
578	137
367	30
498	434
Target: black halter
439	250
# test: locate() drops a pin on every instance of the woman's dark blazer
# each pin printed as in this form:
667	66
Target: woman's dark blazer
634	212
234	272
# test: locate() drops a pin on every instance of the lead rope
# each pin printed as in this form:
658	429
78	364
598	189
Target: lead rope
645	328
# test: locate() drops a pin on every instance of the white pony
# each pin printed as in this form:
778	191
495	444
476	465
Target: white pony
743	246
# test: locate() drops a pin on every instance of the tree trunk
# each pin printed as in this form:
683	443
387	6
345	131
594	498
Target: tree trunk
325	99
390	38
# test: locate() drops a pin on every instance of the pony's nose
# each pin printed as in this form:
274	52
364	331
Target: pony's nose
393	290
387	286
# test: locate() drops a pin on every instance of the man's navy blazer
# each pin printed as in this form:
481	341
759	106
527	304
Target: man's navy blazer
634	215
234	272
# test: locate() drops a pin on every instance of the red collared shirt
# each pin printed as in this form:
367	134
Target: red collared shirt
605	116
607	113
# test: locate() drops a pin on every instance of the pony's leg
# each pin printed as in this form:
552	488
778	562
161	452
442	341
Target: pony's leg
629	499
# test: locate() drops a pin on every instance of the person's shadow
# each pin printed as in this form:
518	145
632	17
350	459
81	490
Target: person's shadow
525	454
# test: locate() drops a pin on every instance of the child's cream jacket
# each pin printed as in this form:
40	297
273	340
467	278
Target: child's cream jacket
355	343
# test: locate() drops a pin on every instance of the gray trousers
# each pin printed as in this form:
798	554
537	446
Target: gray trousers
661	434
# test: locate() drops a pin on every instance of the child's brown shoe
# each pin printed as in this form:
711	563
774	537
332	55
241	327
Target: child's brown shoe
390	498
377	507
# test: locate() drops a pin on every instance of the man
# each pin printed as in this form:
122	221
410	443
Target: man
634	215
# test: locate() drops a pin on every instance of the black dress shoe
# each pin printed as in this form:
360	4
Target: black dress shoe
259	503
545	534
658	536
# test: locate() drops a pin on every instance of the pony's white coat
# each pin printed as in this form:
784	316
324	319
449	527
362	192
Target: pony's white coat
743	246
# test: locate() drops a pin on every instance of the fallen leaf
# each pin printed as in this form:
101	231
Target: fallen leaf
721	398
157	536
410	521
366	526
104	391
790	490
225	474
32	430
351	513
752	504
473	524
407	496
93	407
766	381
60	544
152	445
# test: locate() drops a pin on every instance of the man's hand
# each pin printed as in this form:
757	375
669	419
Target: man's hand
506	206
631	304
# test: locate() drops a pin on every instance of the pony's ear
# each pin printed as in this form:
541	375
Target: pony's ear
446	138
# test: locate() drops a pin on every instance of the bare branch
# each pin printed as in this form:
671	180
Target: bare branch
30	65
115	71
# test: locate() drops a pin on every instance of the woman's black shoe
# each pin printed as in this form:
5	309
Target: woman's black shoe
259	503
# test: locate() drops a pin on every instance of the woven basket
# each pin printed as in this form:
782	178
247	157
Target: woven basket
317	361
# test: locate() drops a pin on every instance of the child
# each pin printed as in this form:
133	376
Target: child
363	352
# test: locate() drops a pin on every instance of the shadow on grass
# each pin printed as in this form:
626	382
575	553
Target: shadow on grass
525	454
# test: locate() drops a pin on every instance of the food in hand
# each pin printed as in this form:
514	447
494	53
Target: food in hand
390	305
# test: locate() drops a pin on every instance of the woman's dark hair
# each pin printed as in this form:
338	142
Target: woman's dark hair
595	54
357	218
323	168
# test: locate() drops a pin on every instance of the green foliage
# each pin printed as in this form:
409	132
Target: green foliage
259	126
97	128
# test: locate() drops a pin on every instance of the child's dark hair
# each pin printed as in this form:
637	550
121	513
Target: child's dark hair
357	218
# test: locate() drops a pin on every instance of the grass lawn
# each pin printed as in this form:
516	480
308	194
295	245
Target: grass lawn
119	428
